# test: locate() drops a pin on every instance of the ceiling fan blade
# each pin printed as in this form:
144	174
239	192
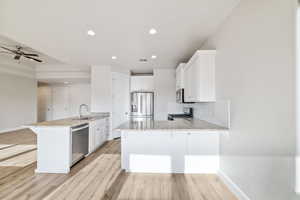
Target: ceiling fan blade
7	49
30	54
35	59
6	52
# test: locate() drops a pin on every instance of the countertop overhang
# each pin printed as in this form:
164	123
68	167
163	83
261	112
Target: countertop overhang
176	125
69	122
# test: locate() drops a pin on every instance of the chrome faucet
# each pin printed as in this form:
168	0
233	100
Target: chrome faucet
80	109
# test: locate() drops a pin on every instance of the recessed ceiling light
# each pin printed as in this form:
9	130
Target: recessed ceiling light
91	33
152	31
114	57
153	56
66	82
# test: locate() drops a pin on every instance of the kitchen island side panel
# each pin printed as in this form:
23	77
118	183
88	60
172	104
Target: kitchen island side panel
53	149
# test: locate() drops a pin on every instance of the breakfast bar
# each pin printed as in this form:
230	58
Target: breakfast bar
179	146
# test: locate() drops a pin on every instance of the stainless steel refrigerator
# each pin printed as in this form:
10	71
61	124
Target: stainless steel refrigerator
142	105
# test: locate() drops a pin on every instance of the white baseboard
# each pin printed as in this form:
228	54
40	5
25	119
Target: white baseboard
11	129
51	171
232	186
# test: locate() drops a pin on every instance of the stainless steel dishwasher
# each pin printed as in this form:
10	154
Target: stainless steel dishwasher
80	142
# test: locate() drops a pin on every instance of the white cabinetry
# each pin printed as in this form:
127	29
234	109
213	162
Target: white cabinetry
141	83
180	76
170	152
98	133
199	77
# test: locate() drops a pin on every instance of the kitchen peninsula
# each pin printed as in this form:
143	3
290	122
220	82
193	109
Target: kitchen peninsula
62	143
179	146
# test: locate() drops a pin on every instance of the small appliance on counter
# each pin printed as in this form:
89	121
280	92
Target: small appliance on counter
188	113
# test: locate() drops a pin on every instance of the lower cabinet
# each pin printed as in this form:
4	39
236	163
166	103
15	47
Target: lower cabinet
170	152
98	133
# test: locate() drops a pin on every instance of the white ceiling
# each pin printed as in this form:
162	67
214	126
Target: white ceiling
8	58
58	28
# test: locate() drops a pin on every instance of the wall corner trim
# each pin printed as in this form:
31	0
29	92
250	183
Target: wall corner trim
232	186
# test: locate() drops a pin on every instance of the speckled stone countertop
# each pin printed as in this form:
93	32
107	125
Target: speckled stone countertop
70	122
176	125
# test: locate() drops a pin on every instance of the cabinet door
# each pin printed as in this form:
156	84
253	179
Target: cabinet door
202	153
106	130
92	133
98	136
191	83
195	82
178	78
187	85
206	78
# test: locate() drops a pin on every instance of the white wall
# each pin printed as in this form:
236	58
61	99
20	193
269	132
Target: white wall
18	101
77	94
255	69
63	72
101	89
165	94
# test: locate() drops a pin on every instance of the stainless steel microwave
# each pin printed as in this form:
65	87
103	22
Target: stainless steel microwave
180	96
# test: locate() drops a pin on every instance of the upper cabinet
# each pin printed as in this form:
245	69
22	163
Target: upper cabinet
180	76
199	77
141	83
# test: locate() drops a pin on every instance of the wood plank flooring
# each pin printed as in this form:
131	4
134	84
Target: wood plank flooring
99	176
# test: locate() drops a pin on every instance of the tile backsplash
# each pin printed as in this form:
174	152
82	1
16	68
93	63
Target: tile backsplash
215	112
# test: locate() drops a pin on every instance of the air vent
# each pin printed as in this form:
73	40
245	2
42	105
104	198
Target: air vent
143	60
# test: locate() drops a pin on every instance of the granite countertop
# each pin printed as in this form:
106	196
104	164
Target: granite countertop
70	122
176	125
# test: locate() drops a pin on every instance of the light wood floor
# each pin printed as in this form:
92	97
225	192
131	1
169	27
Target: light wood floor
99	176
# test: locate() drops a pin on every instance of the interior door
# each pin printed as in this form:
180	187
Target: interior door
44	103
60	102
121	100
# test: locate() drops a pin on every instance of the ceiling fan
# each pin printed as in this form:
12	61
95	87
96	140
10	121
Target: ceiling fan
18	53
